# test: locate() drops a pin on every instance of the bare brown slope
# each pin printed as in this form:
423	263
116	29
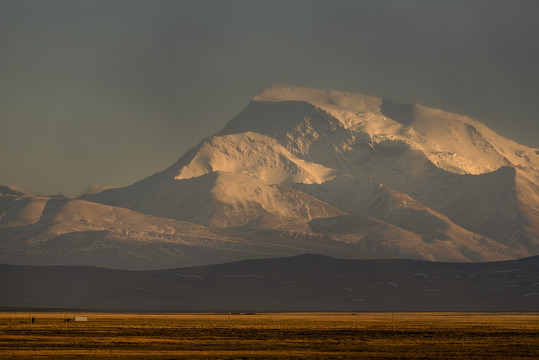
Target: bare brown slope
302	283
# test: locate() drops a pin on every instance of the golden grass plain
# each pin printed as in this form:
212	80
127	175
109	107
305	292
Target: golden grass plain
271	336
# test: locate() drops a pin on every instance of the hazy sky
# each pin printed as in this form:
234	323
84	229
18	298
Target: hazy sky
109	92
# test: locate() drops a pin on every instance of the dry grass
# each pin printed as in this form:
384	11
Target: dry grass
284	336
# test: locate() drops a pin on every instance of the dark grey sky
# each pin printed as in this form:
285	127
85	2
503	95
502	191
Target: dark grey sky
108	92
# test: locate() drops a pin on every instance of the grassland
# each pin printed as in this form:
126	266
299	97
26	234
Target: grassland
277	336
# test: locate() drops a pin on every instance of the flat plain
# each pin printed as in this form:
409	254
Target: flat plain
271	335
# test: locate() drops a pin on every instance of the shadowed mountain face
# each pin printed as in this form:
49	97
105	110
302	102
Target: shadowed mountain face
302	170
301	283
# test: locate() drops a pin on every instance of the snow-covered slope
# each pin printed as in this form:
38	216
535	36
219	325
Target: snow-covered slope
255	155
42	230
79	232
222	199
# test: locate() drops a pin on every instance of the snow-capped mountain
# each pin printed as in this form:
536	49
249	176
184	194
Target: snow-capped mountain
305	170
448	162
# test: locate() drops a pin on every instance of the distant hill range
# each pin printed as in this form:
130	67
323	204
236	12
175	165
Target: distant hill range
299	283
301	171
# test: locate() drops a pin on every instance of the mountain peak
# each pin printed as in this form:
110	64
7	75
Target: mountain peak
330	99
453	142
